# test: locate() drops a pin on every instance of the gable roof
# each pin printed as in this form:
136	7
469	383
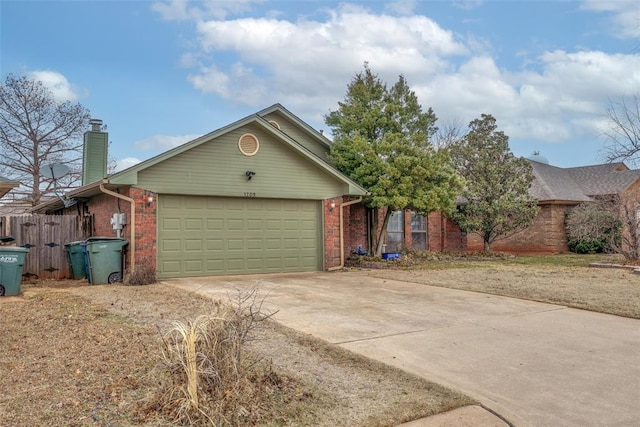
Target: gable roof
129	176
7	185
580	184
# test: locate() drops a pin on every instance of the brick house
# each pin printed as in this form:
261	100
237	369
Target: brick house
558	190
255	196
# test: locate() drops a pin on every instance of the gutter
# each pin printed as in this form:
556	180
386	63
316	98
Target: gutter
342	205
132	243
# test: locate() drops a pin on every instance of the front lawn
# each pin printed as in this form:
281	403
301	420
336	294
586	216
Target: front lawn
558	279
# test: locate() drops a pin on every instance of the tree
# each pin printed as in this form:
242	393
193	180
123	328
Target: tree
381	141
36	130
496	196
595	226
623	133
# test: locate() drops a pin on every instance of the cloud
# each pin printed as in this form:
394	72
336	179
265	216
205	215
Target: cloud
402	7
307	63
625	15
467	4
56	83
125	163
160	143
180	10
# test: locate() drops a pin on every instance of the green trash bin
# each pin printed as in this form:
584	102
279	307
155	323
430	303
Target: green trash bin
104	256
11	262
75	256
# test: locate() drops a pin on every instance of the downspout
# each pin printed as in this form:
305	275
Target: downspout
132	220
342	205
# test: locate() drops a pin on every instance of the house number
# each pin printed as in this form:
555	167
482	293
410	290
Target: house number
249	194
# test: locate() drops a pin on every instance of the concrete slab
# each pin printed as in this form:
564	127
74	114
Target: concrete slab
535	364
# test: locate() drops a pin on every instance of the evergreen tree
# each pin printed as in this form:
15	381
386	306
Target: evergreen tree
381	141
496	196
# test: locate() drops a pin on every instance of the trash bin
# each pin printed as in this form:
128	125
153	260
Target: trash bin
103	257
11	262
75	256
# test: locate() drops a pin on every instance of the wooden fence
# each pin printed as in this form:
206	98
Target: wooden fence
45	236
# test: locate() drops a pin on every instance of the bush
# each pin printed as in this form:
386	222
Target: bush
142	274
588	246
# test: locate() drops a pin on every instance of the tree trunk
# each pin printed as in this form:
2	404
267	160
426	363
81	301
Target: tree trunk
385	222
373	230
487	246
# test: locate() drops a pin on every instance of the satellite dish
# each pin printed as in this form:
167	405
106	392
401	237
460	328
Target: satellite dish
54	171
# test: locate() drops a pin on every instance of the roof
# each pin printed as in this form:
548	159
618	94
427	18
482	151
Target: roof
129	176
580	184
7	185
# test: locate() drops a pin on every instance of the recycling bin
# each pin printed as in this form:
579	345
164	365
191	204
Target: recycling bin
11	263
103	259
75	257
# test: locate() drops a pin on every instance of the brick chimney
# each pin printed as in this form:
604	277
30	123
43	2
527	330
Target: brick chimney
94	153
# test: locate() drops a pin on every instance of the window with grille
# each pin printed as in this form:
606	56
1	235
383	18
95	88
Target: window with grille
418	232
395	232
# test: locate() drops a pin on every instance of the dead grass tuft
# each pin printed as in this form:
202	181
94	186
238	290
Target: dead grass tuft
143	274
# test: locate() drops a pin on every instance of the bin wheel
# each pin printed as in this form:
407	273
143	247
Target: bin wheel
114	277
2	291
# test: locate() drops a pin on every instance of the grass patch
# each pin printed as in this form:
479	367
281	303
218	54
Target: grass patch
559	279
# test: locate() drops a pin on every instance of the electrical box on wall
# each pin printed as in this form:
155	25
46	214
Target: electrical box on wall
118	221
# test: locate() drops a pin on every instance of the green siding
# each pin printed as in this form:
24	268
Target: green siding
217	168
94	156
299	134
199	236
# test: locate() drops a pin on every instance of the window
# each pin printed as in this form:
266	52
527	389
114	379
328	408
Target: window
395	232
418	232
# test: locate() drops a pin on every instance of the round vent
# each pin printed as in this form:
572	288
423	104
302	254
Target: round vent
248	144
274	124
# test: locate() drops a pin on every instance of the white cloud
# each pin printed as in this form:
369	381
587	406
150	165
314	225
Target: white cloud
306	65
402	7
625	15
56	83
160	143
180	10
125	163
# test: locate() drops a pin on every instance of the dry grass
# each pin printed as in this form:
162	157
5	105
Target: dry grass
562	279
79	355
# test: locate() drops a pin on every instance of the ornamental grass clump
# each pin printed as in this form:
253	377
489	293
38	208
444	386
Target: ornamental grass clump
211	379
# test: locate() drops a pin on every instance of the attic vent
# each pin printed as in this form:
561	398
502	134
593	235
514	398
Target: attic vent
248	144
274	124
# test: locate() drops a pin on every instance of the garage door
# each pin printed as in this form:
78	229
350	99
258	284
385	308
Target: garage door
214	236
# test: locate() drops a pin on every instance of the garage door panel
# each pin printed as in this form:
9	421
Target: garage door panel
209	236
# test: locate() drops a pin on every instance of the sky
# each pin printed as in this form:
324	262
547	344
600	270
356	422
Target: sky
160	73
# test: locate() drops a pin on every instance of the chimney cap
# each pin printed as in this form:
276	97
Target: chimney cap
96	124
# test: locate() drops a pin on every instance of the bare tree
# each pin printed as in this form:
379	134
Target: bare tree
36	130
448	134
623	134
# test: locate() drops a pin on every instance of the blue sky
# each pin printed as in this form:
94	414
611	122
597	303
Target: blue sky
160	73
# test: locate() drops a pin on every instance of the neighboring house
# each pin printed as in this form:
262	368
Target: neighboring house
256	196
558	190
7	185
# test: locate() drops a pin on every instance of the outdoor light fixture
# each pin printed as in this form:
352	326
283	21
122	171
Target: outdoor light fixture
148	198
249	175
332	206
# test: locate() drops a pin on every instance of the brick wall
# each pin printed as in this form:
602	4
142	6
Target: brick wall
103	206
331	232
547	234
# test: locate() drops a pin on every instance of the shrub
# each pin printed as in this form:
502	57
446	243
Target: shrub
142	274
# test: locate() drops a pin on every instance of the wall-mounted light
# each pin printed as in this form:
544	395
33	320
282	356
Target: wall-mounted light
249	175
148	198
332	206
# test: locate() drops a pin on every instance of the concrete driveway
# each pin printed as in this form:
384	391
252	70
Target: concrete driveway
534	364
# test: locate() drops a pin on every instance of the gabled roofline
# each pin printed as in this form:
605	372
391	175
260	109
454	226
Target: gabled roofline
312	132
129	176
7	185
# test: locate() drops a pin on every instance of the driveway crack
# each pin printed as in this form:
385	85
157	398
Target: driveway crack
381	336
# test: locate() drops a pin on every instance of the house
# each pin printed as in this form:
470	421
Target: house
7	185
558	190
255	196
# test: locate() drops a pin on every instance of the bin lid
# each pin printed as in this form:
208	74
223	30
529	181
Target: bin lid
13	249
99	238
